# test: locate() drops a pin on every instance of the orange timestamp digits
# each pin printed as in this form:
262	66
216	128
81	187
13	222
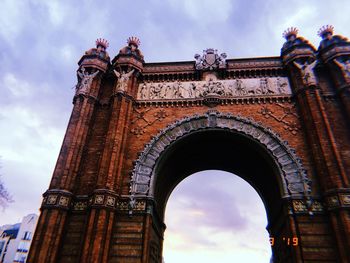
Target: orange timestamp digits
289	241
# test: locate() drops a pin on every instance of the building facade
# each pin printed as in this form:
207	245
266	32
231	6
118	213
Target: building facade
138	129
15	240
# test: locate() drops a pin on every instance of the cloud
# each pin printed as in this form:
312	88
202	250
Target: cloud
204	12
215	211
41	43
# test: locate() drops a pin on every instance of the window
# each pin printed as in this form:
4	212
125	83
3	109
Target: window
2	245
23	246
20	258
27	235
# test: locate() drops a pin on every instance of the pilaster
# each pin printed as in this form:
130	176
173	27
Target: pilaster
299	58
57	200
334	52
126	67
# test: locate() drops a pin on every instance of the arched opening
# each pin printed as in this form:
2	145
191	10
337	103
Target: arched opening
219	141
223	220
218	149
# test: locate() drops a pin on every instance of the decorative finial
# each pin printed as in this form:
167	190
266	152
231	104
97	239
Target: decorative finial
133	41
325	31
102	42
289	32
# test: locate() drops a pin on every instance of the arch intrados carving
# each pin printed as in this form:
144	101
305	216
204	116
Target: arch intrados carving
294	180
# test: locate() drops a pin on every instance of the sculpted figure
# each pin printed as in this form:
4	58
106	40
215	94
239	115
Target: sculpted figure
154	92
265	86
222	60
199	61
162	93
123	78
228	89
177	90
281	85
307	72
240	89
182	92
143	91
345	68
85	80
168	91
196	90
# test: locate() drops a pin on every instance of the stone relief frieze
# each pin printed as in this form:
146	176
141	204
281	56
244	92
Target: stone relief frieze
221	88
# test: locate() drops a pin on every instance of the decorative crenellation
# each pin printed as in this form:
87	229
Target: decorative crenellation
325	31
288	112
102	42
133	41
290	33
294	178
222	88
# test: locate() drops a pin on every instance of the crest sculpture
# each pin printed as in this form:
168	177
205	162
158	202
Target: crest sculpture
210	60
138	129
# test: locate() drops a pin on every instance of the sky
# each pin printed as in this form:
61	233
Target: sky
42	41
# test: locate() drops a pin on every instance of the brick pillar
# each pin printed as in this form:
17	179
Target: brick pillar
334	51
102	217
300	61
58	199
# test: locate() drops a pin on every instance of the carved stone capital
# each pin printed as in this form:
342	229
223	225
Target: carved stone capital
103	198
56	198
299	206
338	199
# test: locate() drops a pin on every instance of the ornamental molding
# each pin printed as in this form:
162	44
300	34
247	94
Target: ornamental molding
301	207
288	117
274	63
168	68
236	64
56	198
223	88
295	182
142	120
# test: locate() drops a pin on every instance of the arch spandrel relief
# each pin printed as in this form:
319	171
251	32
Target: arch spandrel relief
223	88
294	179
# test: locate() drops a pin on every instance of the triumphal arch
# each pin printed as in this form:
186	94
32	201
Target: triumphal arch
138	129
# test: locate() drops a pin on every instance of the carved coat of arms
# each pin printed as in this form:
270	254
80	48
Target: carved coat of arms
210	59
